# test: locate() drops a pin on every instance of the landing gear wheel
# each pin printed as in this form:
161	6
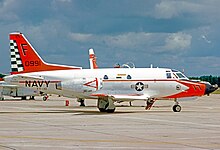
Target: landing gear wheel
102	110
45	98
31	98
102	105
176	108
23	98
106	110
106	105
110	110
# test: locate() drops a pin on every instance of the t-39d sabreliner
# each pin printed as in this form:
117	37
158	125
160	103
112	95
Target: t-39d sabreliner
107	85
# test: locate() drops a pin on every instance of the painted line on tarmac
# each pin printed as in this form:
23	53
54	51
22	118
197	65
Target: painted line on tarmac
169	121
75	146
90	141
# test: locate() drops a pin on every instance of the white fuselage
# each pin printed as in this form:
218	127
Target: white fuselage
123	83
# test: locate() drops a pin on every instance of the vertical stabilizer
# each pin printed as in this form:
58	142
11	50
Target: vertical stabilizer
25	59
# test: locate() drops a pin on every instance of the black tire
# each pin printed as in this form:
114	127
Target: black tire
102	110
23	98
110	110
44	98
176	108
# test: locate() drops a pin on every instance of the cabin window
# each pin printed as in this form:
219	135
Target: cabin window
128	77
168	75
105	77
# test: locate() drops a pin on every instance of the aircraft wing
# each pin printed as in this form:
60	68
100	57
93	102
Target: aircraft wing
28	77
8	86
20	77
123	97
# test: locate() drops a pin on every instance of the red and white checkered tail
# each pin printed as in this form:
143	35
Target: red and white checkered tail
16	63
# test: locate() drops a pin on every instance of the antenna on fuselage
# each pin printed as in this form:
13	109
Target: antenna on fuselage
183	71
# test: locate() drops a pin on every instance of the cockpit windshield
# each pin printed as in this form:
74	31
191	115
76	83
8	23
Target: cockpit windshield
180	75
177	74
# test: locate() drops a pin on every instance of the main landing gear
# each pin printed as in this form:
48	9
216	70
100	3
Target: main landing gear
176	106
45	97
150	103
23	98
106	105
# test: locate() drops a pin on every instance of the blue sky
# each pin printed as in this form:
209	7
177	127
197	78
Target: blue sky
166	33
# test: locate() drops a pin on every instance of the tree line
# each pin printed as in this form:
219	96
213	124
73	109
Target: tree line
211	79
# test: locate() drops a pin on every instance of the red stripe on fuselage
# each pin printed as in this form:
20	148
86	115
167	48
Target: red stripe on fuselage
138	80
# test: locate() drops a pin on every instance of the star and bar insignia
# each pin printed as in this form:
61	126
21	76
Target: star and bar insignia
139	86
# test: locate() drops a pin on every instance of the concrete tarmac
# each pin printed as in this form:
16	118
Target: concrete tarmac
37	124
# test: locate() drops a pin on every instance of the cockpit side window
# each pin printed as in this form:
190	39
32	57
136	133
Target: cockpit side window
178	75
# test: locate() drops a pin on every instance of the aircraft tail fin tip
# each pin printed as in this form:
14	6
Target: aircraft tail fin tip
92	59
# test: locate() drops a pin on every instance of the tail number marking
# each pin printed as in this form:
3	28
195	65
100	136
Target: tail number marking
37	83
32	63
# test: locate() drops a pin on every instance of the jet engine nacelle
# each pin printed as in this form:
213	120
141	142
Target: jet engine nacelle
82	85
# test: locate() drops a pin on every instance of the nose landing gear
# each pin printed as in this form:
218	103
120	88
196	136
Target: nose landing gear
176	106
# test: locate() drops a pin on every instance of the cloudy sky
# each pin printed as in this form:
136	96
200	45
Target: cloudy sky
166	33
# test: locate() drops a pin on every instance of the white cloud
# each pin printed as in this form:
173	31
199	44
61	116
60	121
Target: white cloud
170	8
127	40
80	37
64	1
6	10
178	41
139	41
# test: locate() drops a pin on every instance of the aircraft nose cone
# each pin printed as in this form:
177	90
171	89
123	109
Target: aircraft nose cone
210	88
